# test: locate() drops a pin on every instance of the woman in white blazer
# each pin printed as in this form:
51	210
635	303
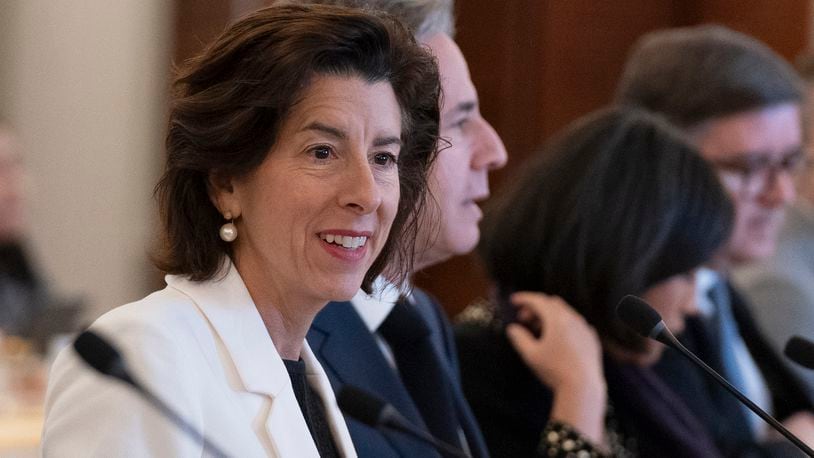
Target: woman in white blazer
298	149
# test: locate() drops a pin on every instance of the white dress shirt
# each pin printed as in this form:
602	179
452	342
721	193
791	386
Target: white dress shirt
374	308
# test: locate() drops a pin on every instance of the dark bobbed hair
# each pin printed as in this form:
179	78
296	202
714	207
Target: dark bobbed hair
231	101
693	74
616	204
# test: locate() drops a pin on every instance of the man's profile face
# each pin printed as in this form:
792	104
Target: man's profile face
755	154
459	178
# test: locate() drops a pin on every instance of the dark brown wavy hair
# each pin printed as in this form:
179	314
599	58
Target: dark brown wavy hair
231	101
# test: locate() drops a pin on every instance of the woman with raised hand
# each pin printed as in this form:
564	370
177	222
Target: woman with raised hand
619	204
298	149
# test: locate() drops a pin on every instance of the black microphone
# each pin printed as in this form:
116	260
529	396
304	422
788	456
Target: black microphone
638	315
102	356
375	412
801	351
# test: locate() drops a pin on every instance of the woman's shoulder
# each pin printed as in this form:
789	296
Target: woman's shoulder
158	352
484	348
163	311
510	404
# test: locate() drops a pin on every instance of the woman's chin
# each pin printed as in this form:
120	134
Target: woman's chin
344	289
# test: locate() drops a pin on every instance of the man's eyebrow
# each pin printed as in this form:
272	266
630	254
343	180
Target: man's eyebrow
464	107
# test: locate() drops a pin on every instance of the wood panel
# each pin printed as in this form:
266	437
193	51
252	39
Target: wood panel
197	23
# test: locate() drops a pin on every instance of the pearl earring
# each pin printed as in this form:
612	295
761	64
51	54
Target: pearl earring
228	232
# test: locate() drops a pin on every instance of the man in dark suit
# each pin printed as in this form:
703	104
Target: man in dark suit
740	104
782	286
398	344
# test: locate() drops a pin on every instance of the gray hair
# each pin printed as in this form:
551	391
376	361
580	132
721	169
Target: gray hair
424	17
694	74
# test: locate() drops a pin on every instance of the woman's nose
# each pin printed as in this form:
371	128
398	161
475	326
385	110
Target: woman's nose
360	190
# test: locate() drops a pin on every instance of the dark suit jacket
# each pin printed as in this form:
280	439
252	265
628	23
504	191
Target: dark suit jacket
350	355
718	408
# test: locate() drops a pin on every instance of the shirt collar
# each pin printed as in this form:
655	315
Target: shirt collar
374	307
705	279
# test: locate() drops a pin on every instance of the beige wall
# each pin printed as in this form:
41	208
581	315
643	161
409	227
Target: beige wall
84	82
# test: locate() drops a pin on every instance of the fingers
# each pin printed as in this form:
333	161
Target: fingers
527	346
520	337
542	307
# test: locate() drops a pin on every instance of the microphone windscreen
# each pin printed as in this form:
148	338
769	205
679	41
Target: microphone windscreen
801	351
99	354
361	405
637	314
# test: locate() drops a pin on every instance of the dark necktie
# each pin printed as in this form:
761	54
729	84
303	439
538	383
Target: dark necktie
421	370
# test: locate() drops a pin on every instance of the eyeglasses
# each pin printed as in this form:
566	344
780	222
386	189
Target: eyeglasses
751	176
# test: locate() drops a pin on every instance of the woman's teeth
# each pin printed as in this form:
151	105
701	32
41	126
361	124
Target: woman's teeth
345	241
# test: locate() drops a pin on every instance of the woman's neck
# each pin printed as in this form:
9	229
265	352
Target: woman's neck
287	330
286	315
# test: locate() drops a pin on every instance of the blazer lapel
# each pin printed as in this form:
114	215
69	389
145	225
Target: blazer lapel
350	355
319	381
788	395
445	348
256	367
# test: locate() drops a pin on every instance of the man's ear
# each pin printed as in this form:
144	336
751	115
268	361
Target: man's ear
221	191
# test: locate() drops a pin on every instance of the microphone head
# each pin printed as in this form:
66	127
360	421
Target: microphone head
99	354
801	351
639	316
361	405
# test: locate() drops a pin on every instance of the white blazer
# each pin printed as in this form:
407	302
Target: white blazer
203	348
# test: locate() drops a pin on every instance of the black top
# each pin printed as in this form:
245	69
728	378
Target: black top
312	409
513	406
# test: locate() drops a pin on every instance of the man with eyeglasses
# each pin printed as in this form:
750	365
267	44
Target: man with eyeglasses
740	104
781	287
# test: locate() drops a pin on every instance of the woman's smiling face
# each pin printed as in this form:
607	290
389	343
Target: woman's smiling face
313	217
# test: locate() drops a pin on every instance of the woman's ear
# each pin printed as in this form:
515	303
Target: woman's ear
222	193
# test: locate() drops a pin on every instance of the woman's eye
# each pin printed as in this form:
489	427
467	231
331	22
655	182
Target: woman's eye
461	123
384	159
321	152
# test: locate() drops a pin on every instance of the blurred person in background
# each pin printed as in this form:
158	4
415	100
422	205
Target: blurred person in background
22	296
27	307
298	150
781	287
401	347
740	104
618	204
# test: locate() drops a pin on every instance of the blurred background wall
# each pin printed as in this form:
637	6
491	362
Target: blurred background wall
85	82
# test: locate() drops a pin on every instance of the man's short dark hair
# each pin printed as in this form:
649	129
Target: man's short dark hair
693	74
